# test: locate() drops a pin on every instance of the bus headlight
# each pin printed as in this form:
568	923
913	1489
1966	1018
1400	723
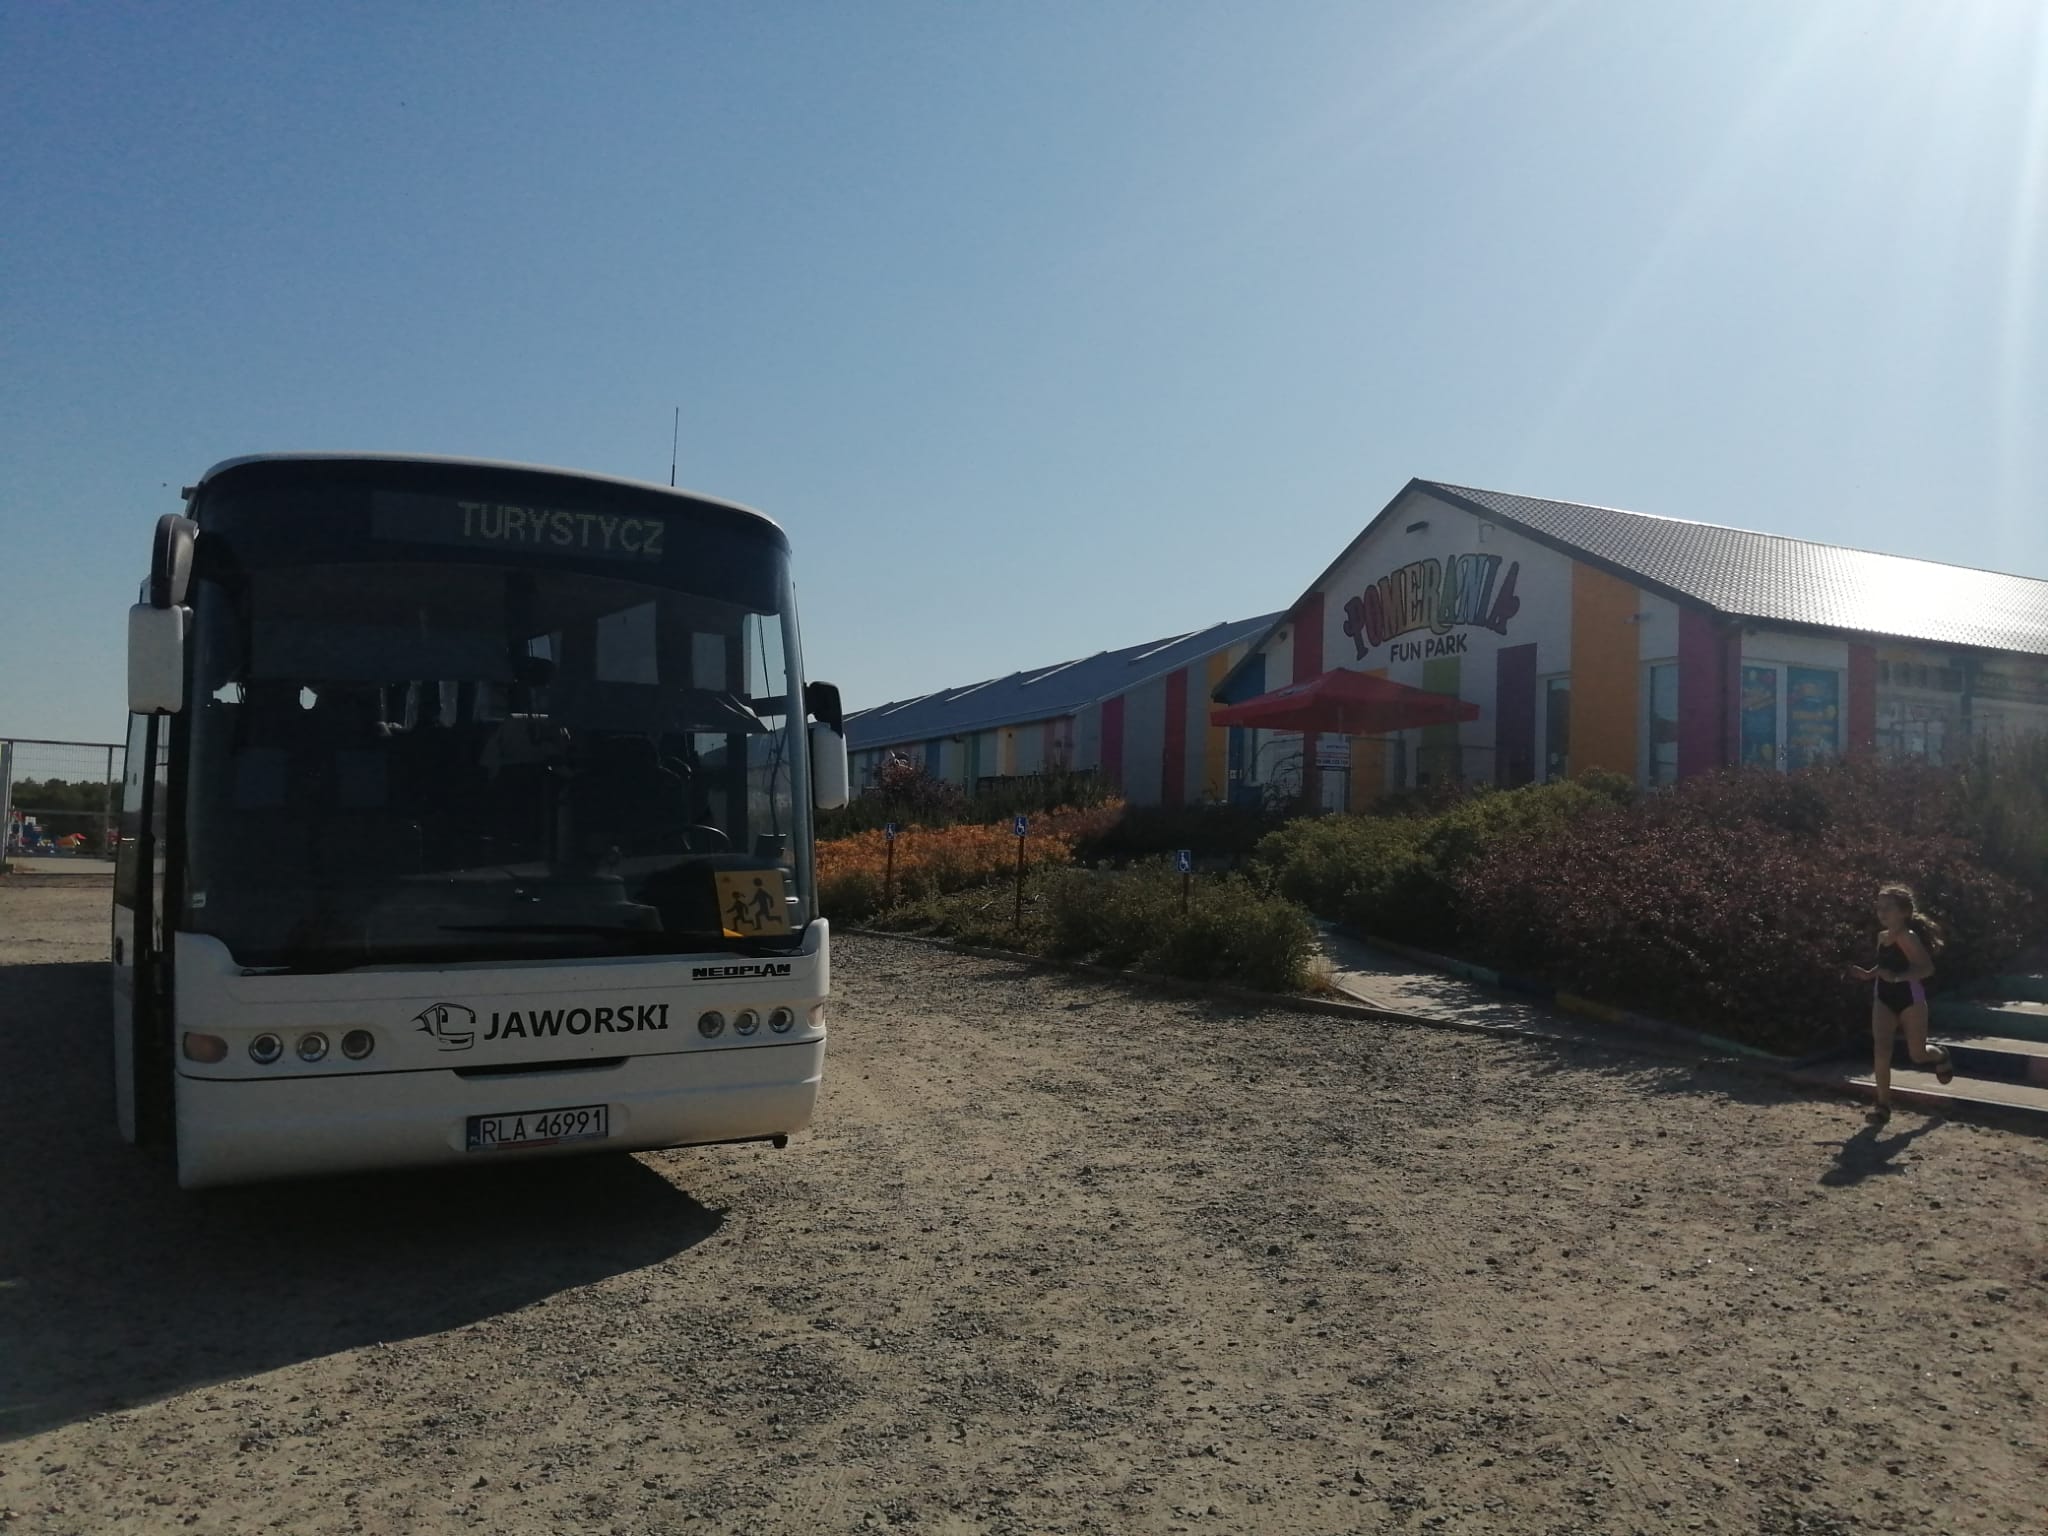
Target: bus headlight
711	1025
357	1044
312	1047
265	1049
781	1020
746	1021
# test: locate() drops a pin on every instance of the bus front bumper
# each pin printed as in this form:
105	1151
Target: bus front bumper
242	1132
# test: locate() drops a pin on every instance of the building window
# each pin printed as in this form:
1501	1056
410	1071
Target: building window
1660	733
1557	728
1791	716
1759	717
1813	715
1913	730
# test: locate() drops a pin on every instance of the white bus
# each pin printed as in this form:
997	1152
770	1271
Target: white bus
467	818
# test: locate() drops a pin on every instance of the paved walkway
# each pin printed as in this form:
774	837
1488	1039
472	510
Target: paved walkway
1382	980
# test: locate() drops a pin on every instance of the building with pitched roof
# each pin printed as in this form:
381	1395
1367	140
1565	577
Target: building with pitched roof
1139	716
1506	639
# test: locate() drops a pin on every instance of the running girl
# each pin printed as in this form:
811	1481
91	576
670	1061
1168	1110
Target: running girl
1905	960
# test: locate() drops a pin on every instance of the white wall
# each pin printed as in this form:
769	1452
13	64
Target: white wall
1542	587
1795	649
1658	631
1144	741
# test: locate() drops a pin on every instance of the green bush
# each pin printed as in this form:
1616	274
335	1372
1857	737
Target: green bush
1318	861
1397	875
984	915
1234	930
2005	787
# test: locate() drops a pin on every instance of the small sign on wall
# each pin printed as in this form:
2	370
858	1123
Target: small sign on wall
1333	752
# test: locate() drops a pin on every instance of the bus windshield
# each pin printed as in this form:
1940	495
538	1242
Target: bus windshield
411	746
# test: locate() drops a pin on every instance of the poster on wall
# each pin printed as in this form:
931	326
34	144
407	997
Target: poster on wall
1813	712
1760	716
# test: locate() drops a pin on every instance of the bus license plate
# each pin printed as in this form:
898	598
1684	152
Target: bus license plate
539	1127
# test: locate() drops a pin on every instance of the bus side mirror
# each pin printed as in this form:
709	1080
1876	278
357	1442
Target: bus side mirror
156	659
821	702
829	774
170	560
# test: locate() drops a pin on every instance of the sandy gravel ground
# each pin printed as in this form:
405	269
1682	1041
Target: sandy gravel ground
1058	1257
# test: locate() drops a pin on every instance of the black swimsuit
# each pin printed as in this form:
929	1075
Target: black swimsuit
1896	995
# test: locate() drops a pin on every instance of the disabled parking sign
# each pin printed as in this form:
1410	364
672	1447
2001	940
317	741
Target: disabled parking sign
1184	861
1022	825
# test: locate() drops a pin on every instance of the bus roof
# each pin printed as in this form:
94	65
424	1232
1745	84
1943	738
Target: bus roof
440	458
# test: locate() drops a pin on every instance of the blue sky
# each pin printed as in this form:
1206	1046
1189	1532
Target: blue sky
1044	328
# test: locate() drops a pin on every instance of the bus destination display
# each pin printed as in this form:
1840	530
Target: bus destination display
405	517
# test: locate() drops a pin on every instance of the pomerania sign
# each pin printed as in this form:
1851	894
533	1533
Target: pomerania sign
1436	596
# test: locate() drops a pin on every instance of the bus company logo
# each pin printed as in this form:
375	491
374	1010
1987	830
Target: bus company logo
1466	591
763	972
451	1024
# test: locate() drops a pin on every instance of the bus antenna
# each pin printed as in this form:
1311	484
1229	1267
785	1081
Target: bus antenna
675	436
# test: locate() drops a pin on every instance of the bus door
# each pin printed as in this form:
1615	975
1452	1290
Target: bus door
142	1035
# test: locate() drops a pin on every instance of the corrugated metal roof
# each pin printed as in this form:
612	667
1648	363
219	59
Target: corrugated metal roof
1041	692
1769	577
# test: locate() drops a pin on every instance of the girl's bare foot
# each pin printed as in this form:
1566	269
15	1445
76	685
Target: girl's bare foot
1879	1113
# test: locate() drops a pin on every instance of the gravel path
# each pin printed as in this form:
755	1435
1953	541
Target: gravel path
1057	1257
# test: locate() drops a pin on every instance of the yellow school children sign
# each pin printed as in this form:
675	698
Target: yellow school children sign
753	903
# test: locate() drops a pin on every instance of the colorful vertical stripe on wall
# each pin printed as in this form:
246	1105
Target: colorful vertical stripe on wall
1860	711
1514	716
1113	741
1702	693
1215	738
1368	764
1606	672
1174	749
1249	683
1440	757
1308	638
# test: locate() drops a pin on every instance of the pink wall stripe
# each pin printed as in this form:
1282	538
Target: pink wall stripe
1113	741
1707	698
1514	715
1308	638
1862	700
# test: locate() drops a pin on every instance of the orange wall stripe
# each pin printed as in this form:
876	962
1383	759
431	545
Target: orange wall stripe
1606	672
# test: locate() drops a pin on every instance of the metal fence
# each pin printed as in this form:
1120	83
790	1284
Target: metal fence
59	799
